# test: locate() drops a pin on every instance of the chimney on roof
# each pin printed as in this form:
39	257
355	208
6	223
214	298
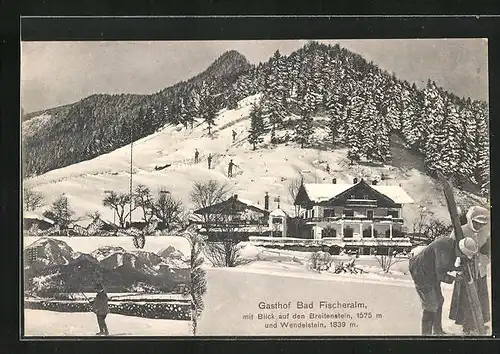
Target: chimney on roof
266	202
334	181
355	180
235	196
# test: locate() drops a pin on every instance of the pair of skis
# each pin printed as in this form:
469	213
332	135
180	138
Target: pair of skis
470	285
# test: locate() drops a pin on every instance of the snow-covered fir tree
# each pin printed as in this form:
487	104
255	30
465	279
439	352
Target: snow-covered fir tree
304	127
208	108
482	159
275	92
433	129
468	148
256	127
448	147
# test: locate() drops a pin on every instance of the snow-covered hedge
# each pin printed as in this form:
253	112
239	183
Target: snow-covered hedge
147	309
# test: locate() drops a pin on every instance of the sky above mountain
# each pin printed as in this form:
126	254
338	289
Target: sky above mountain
57	73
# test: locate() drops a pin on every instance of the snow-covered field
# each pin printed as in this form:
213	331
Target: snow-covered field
396	302
264	170
40	323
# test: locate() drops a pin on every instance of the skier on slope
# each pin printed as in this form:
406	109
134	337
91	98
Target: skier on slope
230	168
196	156
477	229
327	168
101	309
209	160
234	135
433	265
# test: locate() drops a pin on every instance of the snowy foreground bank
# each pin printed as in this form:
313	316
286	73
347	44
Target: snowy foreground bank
233	294
42	323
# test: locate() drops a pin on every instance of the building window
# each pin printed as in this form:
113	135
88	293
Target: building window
393	213
367	232
348	232
349	212
329	213
328	232
369	214
312	213
277	221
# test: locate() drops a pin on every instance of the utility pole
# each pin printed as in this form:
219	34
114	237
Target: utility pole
131	148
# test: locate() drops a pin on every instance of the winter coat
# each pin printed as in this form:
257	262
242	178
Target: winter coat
431	265
100	304
482	238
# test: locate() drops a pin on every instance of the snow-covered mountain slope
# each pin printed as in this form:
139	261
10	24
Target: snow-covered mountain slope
267	169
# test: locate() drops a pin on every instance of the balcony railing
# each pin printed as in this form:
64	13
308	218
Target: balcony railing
369	203
234	223
356	219
395	241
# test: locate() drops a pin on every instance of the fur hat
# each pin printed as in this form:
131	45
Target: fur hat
468	246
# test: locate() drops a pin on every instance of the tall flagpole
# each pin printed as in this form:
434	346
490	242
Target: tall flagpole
131	147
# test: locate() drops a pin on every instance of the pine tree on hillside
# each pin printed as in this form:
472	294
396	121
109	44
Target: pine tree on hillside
208	108
449	141
434	116
274	96
354	134
482	159
412	123
468	149
232	99
304	128
256	126
337	110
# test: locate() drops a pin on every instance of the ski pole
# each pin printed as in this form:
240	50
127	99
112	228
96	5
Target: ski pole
86	298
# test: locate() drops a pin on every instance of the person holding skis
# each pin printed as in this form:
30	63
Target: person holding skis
433	265
234	135
230	168
209	160
460	310
101	309
196	156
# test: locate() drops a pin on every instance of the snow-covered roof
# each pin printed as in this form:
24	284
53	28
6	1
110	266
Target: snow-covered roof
319	192
32	215
396	193
279	212
252	204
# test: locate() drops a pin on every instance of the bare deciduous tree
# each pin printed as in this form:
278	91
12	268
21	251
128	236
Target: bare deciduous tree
293	189
32	199
61	212
94	215
206	194
224	253
427	225
144	200
222	249
119	203
167	209
386	261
